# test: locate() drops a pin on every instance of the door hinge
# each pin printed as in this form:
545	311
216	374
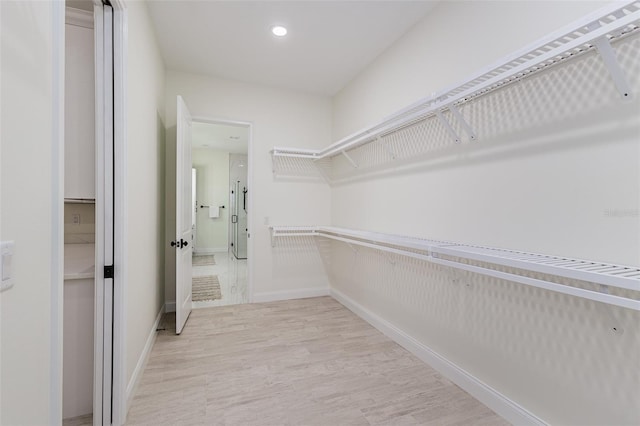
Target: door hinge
108	271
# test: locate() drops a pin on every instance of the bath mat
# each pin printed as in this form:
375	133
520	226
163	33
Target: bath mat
205	288
204	260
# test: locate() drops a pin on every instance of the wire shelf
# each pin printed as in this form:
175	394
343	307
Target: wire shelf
458	256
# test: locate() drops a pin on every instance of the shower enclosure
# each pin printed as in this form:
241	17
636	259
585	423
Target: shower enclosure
239	206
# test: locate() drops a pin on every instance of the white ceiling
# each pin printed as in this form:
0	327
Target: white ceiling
223	137
328	44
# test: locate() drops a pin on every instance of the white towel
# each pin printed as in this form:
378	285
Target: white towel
214	212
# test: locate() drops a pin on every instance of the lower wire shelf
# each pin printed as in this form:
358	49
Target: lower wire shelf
466	257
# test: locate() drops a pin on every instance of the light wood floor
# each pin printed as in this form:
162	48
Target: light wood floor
299	362
86	420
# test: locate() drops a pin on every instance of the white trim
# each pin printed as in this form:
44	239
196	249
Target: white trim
120	36
105	416
142	360
272	296
79	17
214	120
99	214
490	397
251	217
57	209
170	306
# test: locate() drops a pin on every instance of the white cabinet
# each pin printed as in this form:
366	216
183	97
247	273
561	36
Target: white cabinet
79	169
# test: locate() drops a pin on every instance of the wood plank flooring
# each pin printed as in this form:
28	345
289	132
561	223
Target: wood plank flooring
86	420
297	362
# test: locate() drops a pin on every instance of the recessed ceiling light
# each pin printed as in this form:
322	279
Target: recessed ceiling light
279	31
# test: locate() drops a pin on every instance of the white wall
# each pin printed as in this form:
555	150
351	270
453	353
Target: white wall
552	354
212	189
26	101
80	147
145	181
279	117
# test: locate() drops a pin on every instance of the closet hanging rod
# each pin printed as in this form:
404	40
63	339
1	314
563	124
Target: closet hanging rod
614	20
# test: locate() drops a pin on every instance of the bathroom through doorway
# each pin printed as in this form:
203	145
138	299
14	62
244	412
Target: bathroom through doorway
220	212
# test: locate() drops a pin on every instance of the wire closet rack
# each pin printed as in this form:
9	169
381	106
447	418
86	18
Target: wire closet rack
446	117
485	260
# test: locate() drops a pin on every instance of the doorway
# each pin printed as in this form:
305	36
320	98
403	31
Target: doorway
79	218
220	159
93	357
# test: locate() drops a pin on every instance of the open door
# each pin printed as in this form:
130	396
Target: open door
183	242
103	383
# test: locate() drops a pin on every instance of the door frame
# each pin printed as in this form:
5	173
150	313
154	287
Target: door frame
120	222
58	16
120	26
57	209
250	183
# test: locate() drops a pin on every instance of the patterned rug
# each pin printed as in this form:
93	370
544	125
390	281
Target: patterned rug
204	260
205	288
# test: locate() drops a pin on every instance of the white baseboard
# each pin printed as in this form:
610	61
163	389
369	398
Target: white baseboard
170	306
493	399
142	360
209	250
272	296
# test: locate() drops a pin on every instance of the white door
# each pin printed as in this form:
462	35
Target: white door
194	208
106	275
183	243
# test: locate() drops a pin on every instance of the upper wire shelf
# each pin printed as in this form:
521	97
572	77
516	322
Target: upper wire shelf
592	32
460	256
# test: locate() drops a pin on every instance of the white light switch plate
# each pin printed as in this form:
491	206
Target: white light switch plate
6	269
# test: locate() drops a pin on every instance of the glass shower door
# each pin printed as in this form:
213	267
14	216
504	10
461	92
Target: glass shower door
239	221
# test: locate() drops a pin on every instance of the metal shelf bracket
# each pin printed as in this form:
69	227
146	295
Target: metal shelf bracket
353	163
447	126
323	174
608	56
387	149
614	323
467	128
353	248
